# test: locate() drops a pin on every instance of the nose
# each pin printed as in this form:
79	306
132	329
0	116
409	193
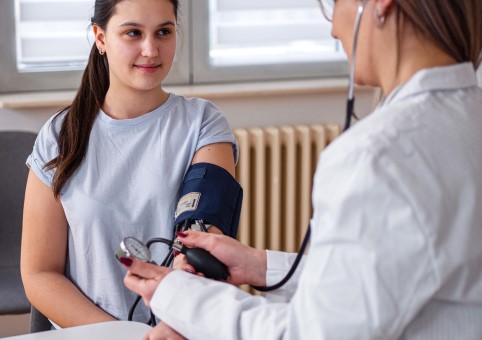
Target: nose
150	48
332	32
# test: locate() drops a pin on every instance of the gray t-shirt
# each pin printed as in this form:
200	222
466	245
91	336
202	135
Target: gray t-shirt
127	185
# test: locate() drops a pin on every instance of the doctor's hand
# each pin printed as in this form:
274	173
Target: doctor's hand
143	278
180	261
246	265
162	332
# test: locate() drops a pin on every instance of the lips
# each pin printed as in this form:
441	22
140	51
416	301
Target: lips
148	68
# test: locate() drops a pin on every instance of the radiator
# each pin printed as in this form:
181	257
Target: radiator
276	167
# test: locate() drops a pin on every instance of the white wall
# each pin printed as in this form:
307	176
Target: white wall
479	75
240	111
11	325
24	120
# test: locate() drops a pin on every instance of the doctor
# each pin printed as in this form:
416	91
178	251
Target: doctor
397	225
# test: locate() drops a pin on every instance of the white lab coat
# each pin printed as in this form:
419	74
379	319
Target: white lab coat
396	250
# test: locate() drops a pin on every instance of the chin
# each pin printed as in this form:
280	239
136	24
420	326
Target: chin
359	81
364	81
147	85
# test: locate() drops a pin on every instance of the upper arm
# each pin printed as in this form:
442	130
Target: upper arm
44	231
220	154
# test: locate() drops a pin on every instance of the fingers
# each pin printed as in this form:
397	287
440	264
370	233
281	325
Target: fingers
163	331
180	262
142	269
143	278
192	238
141	286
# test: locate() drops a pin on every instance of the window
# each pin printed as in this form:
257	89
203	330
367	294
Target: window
25	46
52	35
268	32
221	40
269	39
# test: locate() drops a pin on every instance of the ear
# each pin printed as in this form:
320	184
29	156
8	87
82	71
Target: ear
383	6
99	36
381	9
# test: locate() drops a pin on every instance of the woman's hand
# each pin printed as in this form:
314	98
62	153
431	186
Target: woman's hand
143	278
163	332
180	261
246	265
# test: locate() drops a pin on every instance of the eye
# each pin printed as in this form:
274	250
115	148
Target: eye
133	33
164	32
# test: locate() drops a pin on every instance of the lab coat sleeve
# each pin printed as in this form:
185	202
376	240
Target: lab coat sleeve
278	265
199	308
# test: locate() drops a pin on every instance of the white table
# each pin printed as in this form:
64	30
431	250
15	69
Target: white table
115	330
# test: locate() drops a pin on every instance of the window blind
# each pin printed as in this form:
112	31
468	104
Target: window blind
269	32
52	35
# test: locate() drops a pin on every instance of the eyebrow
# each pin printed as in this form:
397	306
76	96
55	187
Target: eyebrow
135	24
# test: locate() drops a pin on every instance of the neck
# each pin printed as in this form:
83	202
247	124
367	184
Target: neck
415	54
408	68
121	105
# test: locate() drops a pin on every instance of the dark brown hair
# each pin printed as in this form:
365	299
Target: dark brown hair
79	118
455	26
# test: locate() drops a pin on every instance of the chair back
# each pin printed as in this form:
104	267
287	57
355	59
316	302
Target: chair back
15	146
38	322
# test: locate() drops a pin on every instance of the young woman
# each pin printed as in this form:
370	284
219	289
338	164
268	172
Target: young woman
111	164
395	250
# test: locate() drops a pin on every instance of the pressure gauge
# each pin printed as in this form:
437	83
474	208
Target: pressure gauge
132	247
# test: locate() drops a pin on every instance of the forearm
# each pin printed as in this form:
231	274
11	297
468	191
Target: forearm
60	300
43	259
256	268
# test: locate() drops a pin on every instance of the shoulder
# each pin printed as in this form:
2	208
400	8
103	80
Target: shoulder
200	110
46	147
50	131
194	104
381	151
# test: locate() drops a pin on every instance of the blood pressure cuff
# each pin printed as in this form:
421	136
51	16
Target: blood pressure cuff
211	194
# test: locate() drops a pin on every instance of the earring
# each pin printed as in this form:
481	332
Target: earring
101	52
379	19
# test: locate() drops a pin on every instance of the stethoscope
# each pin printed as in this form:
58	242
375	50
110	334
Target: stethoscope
202	261
350	102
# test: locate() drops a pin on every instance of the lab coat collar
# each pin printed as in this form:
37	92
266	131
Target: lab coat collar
458	76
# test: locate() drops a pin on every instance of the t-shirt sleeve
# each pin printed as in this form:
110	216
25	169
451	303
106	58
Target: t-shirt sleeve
215	129
45	149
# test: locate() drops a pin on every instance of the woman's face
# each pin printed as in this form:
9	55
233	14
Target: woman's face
344	17
140	43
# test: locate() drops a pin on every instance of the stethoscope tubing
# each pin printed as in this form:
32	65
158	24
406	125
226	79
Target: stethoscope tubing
350	102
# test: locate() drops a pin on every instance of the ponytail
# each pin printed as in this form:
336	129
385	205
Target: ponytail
79	119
